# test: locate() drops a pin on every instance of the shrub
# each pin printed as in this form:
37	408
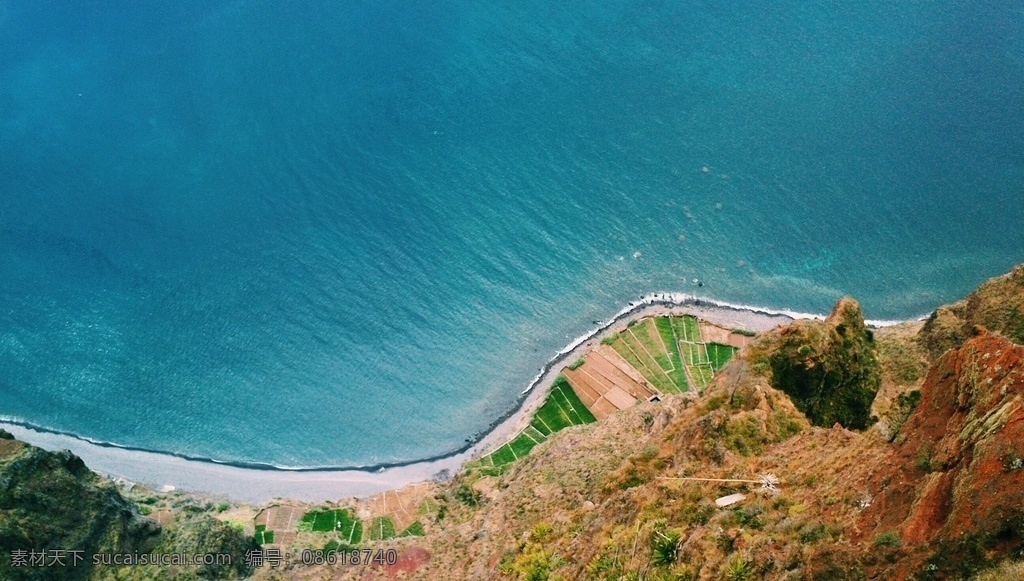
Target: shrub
540	532
902	408
467	495
890	539
664	548
924	459
701	513
748	517
812	532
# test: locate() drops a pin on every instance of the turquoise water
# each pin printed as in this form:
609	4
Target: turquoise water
347	233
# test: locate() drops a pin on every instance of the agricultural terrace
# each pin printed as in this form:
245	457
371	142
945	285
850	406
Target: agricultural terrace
651	357
339	521
561	409
605	382
397	513
402	508
672	354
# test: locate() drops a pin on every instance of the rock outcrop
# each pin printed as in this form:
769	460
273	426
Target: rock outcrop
997	305
52	501
51	504
954	493
828	368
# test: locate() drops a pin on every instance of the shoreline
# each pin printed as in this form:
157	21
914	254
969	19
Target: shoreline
259	483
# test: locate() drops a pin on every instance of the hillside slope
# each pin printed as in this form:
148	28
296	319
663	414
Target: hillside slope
931	492
848	453
56	516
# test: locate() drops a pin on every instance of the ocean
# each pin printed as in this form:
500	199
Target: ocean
314	234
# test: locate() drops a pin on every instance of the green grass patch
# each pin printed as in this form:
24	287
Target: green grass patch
535	434
669	352
648	338
413	530
719	354
521	445
550	417
427	507
630	348
502	456
381	529
688	329
565	399
671	341
561	409
695	354
263	536
702	375
339	520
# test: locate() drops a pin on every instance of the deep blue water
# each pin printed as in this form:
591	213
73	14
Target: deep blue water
337	233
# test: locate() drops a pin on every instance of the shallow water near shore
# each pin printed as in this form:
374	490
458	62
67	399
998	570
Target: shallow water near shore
342	235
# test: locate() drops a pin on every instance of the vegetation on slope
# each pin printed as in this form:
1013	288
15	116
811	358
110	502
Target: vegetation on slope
828	368
932	492
632	497
997	305
51	503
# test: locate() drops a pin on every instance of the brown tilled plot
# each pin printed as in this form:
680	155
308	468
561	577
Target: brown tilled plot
715	334
280	517
606	382
400	505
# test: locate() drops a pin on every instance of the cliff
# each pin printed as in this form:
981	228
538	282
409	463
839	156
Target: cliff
997	305
931	492
828	368
53	508
953	490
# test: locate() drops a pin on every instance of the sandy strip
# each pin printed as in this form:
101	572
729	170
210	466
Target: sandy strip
258	486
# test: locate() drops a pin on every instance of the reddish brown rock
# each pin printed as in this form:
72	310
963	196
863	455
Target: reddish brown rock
954	491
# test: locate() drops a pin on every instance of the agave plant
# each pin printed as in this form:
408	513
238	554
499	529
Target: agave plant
738	569
664	548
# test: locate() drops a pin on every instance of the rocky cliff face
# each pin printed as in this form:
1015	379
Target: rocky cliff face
954	489
937	496
51	503
828	368
997	305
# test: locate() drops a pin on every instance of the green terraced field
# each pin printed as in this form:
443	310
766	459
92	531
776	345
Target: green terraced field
263	536
652	351
720	354
413	530
381	528
339	521
668	351
561	409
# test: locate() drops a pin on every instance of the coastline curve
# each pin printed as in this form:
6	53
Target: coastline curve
259	482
